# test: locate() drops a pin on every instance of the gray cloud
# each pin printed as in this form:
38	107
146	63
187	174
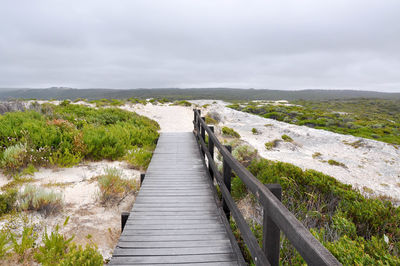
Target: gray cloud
260	44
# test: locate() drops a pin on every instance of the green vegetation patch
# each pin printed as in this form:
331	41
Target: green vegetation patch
355	229
227	131
67	134
368	118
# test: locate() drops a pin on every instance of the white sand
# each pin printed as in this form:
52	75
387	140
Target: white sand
170	118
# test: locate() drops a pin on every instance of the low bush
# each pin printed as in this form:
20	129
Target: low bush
210	120
272	144
67	134
287	138
227	131
7	201
182	103
40	199
336	163
352	227
139	158
114	188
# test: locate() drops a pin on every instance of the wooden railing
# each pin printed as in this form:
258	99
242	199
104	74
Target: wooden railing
276	216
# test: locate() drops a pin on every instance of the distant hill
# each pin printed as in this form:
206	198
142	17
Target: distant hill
190	94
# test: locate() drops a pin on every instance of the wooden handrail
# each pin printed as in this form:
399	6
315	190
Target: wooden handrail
313	252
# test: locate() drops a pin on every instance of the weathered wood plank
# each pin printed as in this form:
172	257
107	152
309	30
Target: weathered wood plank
171	238
175	244
137	260
171	251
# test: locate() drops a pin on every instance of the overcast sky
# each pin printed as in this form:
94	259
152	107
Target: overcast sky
307	44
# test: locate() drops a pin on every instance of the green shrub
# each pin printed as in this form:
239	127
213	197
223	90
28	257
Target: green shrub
287	138
272	144
336	163
7	201
227	131
14	157
113	188
82	256
245	154
255	131
182	103
65	135
26	242
210	120
4	244
316	155
346	221
140	158
39	199
59	250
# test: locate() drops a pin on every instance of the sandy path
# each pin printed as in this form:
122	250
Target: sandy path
170	118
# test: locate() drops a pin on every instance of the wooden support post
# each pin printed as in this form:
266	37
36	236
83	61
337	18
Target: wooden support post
198	122
211	151
271	232
124	218
142	175
227	171
203	135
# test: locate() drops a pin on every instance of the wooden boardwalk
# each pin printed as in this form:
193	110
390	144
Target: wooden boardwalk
176	219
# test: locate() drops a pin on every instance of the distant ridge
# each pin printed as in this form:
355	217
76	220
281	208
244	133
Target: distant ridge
189	94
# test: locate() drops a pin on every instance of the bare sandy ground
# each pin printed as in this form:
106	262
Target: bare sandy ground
170	118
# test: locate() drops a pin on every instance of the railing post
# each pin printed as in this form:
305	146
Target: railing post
124	218
198	121
142	175
227	171
211	151
271	232
203	135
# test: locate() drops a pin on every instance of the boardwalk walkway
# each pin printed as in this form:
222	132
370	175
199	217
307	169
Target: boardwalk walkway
175	219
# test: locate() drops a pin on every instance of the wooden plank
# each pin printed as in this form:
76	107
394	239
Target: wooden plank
171	226
175	244
224	263
171	251
204	231
137	260
170	238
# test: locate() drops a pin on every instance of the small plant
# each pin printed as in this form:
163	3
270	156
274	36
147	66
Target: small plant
39	199
182	103
287	138
268	125
205	105
227	131
7	201
27	242
272	144
355	144
139	158
14	158
210	120
113	188
316	155
336	163
255	131
245	154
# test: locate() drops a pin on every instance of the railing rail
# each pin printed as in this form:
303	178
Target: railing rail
276	216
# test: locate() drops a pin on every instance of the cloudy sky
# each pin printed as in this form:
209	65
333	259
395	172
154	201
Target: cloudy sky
307	44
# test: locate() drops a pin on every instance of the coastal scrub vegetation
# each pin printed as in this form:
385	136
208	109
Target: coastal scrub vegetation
357	230
65	135
53	249
376	119
230	132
